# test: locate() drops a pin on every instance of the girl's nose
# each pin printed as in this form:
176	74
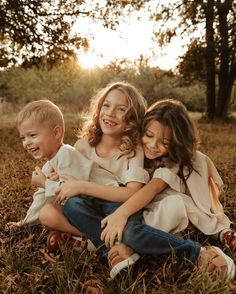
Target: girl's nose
154	143
111	111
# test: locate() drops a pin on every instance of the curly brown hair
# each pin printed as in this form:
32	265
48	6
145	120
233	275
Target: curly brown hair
133	117
183	135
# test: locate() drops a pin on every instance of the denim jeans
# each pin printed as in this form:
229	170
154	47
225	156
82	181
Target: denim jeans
86	213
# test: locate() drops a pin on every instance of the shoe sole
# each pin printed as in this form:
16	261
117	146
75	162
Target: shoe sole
123	264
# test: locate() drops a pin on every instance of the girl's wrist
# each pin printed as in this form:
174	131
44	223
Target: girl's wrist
123	212
85	187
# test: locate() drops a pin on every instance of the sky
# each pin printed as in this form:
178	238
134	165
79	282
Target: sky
129	40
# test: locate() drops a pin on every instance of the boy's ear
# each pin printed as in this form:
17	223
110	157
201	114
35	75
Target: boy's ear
58	132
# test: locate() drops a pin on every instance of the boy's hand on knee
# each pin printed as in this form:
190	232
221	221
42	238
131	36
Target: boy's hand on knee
38	178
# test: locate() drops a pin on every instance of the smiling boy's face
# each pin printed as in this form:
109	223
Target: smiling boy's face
39	139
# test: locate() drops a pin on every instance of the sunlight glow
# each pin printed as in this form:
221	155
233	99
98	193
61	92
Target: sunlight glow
128	41
88	60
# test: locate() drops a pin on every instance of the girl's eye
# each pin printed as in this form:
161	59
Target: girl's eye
165	144
22	138
122	109
148	135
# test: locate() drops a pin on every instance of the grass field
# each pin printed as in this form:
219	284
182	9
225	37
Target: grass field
24	267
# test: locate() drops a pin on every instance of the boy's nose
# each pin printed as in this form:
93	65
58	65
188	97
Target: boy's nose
27	142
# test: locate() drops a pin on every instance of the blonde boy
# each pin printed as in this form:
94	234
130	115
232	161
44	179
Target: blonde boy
41	127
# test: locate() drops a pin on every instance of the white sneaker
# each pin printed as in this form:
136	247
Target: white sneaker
123	264
214	259
121	257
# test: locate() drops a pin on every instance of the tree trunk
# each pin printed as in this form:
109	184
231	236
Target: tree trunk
210	60
224	93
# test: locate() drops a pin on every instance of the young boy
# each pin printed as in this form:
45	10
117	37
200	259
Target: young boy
41	127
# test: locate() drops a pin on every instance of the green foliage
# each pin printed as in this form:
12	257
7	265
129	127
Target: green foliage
192	64
33	28
39	32
68	84
71	86
217	48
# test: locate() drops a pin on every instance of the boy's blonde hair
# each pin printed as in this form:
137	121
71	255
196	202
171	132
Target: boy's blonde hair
43	111
133	117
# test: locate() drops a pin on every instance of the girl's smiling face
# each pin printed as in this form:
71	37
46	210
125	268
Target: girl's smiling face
155	140
112	113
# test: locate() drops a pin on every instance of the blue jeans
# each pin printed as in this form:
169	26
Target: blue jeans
86	213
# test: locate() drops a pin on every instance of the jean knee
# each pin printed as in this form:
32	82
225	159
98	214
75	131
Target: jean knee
71	206
130	238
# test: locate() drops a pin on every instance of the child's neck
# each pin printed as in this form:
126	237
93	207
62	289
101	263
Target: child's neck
57	147
108	146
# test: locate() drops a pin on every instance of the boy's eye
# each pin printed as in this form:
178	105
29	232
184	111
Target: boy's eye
105	105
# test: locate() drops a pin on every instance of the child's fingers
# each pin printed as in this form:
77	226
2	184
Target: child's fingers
51	170
57	191
65	177
103	222
112	238
53	176
119	235
103	234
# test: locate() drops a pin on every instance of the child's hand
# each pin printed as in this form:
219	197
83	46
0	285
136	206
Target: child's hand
38	178
53	175
113	225
12	226
69	188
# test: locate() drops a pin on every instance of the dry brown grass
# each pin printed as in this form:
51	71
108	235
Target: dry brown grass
24	268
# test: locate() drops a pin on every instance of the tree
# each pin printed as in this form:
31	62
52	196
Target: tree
30	28
192	65
219	44
35	31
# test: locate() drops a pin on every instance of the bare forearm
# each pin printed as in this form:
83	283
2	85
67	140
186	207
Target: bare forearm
111	193
142	197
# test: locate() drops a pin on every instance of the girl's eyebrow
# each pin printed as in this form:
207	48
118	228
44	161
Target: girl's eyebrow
123	105
149	130
166	139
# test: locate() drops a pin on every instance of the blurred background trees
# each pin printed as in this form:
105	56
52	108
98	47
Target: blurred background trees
38	52
211	56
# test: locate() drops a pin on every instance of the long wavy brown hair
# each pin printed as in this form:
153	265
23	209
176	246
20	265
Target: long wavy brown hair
183	135
133	117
